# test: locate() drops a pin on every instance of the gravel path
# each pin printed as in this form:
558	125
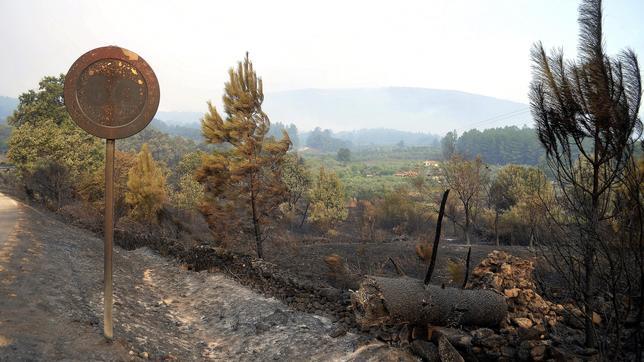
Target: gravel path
51	304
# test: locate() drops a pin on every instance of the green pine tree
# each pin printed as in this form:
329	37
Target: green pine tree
146	187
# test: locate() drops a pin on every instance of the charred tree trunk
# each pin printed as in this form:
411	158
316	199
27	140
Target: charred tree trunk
406	300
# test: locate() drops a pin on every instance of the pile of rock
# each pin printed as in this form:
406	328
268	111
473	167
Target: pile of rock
530	317
529	333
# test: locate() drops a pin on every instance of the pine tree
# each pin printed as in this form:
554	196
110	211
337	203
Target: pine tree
243	184
586	113
146	187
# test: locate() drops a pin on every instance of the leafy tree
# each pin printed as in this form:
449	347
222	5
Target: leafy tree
243	183
45	134
448	145
500	200
49	182
344	155
327	197
324	141
522	191
298	182
190	193
163	147
45	103
506	145
586	113
92	188
467	179
146	187
188	165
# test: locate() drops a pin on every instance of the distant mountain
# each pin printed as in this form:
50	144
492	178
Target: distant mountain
384	136
424	110
183	118
187	131
7	106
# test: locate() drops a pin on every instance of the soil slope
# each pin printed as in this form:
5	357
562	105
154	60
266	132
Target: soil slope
51	304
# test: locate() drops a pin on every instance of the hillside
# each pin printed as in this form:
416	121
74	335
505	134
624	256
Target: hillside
408	109
7	105
425	110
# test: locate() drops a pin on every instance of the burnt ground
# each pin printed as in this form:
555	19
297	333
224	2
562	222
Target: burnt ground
51	304
372	258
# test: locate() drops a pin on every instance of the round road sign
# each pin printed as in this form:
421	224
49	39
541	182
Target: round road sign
111	92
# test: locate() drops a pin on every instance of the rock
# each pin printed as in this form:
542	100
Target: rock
419	332
511	293
330	293
508	352
337	332
144	355
538	352
522	322
447	352
481	333
455	336
529	333
597	319
404	334
493	342
380	352
425	350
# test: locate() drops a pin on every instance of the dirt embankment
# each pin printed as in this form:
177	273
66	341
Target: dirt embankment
51	305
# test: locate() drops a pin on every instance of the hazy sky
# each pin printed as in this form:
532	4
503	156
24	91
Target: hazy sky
473	46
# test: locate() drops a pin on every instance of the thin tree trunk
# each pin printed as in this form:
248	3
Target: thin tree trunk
306	211
467	226
258	233
496	227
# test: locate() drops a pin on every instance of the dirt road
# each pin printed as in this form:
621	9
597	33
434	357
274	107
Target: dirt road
51	304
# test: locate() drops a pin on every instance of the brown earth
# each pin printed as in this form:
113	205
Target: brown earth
51	304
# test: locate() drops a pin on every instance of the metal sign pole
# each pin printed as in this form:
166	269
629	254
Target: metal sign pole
109	237
111	93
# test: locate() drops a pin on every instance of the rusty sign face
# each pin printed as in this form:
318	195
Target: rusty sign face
111	92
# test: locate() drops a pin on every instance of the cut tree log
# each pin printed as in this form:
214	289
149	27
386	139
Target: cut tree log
407	300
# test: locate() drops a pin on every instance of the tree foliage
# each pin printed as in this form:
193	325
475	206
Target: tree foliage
468	180
243	183
146	190
586	113
45	135
328	203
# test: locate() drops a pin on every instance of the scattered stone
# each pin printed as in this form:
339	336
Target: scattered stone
522	322
447	352
380	352
456	337
425	350
337	332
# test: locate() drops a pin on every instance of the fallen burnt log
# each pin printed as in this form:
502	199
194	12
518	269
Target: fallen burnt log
407	300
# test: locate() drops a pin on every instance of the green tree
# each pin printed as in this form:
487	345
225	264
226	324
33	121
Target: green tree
190	193
344	155
146	190
328	204
297	178
45	103
467	179
44	134
448	145
243	183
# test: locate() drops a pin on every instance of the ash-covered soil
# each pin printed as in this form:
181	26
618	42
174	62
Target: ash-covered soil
307	261
51	304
